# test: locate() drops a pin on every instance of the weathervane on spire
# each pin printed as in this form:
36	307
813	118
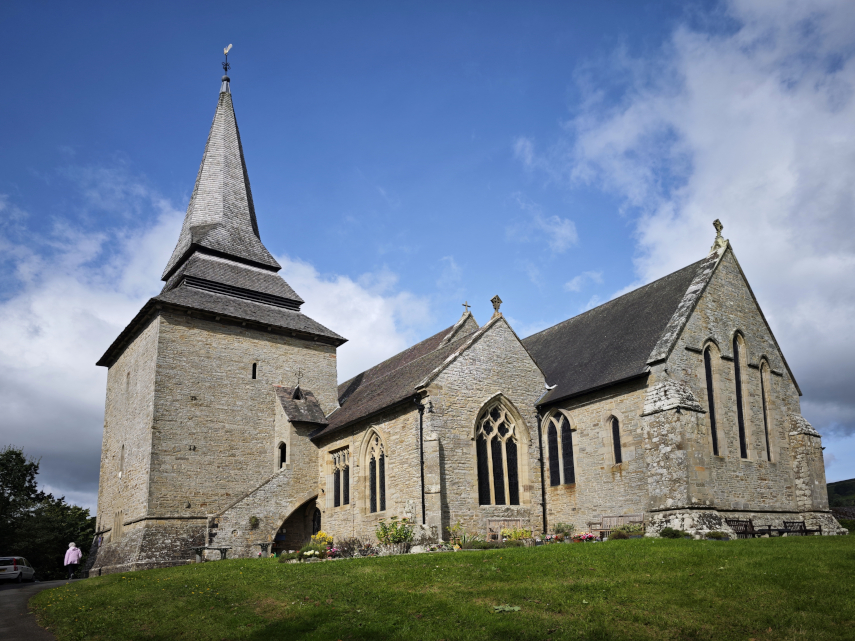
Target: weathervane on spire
226	65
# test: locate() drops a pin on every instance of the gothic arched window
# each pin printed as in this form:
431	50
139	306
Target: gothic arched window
341	477
559	436
376	457
497	451
740	412
616	440
764	399
708	370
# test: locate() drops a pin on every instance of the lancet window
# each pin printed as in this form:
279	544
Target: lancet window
740	416
764	399
376	457
708	370
497	450
283	454
616	440
341	477
559	437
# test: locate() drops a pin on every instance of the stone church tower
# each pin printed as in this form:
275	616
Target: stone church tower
225	426
189	423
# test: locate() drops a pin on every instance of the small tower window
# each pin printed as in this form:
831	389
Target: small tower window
616	440
254	371
283	455
122	462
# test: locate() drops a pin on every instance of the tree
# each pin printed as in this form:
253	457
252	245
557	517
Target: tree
34	524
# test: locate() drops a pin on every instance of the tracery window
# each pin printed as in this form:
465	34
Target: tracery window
559	436
341	477
737	376
376	457
616	440
764	399
497	452
708	369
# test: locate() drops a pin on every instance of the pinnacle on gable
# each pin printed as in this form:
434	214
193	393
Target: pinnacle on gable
221	218
720	242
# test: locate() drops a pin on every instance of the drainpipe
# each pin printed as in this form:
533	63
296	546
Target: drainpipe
421	408
542	479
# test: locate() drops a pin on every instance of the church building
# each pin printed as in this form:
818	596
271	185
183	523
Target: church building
225	425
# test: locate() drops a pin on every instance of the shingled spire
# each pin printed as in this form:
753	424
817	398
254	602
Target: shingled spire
220	219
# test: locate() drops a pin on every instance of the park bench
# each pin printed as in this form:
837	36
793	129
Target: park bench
744	528
798	528
606	524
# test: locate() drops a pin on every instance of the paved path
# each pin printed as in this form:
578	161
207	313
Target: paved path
16	622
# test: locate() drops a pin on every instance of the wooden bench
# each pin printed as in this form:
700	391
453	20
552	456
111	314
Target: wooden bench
798	528
604	526
744	528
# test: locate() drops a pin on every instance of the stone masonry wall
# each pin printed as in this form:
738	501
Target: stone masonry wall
128	416
602	487
398	428
734	483
496	364
214	436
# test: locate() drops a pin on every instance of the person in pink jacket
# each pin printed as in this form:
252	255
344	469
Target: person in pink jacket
72	558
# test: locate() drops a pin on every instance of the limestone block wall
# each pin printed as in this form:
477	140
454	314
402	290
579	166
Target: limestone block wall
126	445
274	500
496	364
398	429
214	436
808	467
734	483
602	487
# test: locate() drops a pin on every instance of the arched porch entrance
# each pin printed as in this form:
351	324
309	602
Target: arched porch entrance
298	528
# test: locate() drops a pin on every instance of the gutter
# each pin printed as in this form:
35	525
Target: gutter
421	408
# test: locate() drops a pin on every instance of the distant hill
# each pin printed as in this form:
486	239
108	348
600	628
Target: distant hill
841	493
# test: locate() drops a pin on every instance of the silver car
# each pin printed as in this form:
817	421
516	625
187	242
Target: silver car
16	568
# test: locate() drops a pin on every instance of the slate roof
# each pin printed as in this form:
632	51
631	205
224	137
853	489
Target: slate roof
612	342
238	279
221	214
395	379
304	408
219	266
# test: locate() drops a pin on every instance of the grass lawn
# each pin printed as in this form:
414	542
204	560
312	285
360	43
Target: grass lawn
790	588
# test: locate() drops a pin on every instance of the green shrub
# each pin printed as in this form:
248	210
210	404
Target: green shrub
718	536
618	534
254	522
516	533
313	551
482	545
394	532
671	533
511	543
288	556
566	529
632	529
849	524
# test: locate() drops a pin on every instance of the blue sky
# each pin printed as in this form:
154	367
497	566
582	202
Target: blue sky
405	157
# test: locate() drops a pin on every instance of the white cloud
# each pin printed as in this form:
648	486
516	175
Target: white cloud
576	283
69	292
749	122
560	233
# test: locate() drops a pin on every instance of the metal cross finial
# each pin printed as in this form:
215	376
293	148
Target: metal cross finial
226	65
466	305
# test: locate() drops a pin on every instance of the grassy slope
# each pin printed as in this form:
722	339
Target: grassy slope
792	588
